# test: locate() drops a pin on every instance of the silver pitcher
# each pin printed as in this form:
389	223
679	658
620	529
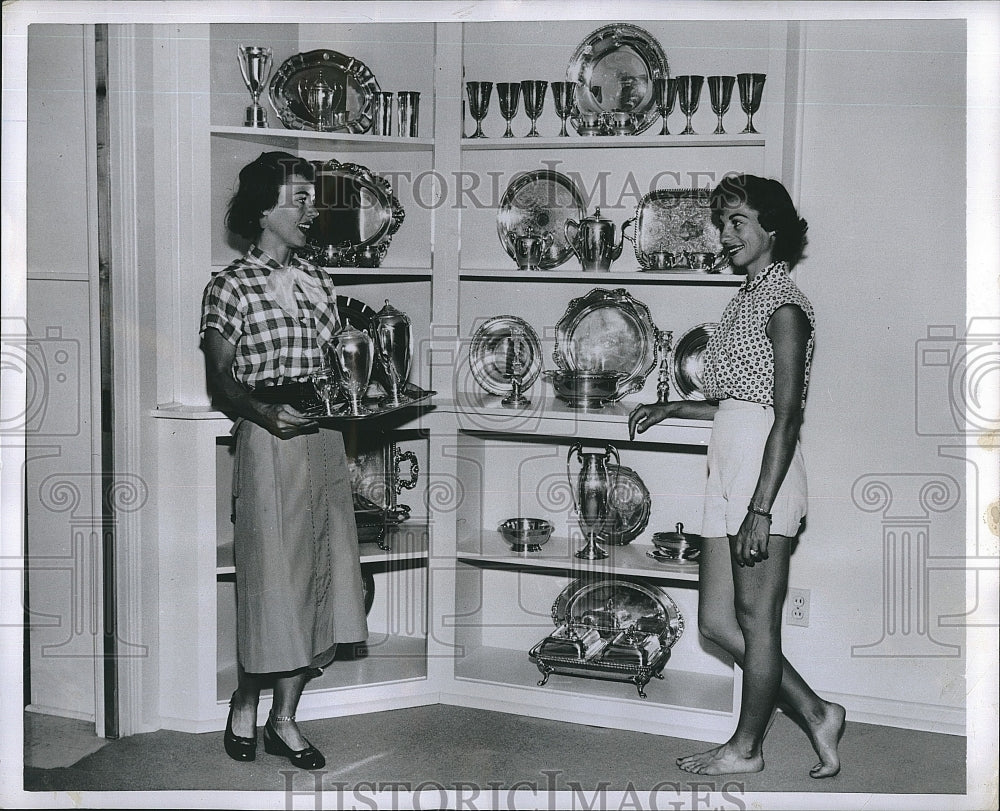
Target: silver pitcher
593	241
351	351
591	494
394	345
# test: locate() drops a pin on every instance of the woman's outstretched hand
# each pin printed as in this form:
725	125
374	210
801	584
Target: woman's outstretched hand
644	417
284	421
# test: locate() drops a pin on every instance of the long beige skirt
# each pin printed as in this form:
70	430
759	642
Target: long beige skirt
299	591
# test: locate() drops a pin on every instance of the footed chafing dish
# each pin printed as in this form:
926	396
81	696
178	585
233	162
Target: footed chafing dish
612	628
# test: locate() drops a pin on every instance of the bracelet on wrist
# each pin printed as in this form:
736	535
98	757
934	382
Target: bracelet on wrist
758	511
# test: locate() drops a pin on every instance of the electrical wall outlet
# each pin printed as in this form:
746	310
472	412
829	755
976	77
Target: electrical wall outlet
798	607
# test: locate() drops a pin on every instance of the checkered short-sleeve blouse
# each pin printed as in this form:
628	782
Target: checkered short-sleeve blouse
739	359
273	346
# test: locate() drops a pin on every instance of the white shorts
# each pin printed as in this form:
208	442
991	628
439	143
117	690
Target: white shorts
735	452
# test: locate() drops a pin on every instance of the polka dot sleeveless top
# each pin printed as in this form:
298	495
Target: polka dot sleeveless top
739	359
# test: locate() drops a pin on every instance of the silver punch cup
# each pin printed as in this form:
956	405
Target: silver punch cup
255	65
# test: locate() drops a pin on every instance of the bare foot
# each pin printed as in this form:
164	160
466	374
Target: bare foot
721	760
825	739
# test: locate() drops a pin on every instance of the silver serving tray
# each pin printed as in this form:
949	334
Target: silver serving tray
687	362
357	210
628	507
338	70
341	413
540	202
608	330
614	69
674	220
492	345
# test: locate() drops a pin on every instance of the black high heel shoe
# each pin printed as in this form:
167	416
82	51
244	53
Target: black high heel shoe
308	758
242	749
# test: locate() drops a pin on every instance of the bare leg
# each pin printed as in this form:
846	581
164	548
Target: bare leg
245	703
823	720
287	691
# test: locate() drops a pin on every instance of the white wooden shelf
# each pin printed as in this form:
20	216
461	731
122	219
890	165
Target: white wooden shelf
627	275
644	141
341	140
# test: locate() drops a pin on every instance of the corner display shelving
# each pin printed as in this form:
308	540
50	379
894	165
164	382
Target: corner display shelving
456	611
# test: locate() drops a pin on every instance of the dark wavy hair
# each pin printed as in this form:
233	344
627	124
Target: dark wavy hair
260	183
775	212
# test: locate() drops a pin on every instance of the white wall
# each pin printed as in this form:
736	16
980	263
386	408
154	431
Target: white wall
883	187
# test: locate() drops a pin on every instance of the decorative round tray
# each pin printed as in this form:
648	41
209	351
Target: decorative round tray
608	330
614	604
540	202
290	82
494	348
614	69
629	507
687	361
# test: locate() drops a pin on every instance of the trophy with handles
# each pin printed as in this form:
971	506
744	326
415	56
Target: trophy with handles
255	65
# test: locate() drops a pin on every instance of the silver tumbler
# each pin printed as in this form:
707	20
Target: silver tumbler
408	111
382	114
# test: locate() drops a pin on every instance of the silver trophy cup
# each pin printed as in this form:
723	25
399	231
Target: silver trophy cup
255	65
394	346
592	493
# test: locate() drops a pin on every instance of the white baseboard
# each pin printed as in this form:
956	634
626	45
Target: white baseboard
41	709
891	712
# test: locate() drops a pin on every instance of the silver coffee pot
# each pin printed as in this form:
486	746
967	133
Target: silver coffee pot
351	352
394	345
593	241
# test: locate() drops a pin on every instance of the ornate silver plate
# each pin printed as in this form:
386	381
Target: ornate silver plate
540	202
493	349
287	91
608	330
687	361
628	507
357	211
614	604
674	221
614	69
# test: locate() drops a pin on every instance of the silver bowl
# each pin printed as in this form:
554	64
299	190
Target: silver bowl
585	389
526	534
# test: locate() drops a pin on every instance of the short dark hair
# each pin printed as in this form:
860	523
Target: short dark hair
775	212
260	182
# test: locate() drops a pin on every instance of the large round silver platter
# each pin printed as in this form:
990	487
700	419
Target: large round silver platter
495	346
614	70
687	362
351	77
628	507
540	202
675	221
357	209
614	604
608	330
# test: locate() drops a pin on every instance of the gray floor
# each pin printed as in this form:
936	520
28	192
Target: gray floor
486	751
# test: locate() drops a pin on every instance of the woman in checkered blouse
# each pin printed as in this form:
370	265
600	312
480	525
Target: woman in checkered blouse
756	370
265	320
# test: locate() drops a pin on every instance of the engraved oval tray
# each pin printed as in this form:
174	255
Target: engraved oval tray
687	361
674	220
492	350
614	69
296	73
540	202
608	330
629	507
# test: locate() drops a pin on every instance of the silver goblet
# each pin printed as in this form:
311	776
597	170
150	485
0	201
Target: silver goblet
751	88
533	91
720	90
352	353
665	92
324	382
255	65
688	96
564	96
508	94
479	103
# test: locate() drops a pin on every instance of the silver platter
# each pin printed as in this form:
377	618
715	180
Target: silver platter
687	362
288	87
628	507
492	351
674	221
614	69
540	202
608	330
